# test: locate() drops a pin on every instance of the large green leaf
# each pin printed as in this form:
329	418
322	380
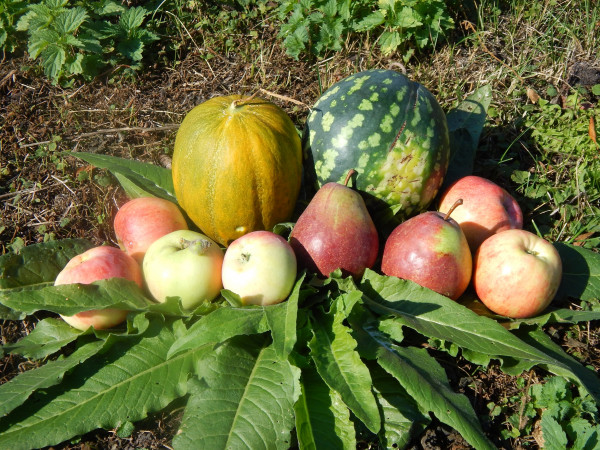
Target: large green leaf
425	382
401	418
332	348
221	325
125	383
37	265
16	391
244	399
436	316
282	322
69	299
322	418
48	336
139	179
581	272
465	123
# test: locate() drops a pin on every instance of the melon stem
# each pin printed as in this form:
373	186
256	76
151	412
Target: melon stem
243	101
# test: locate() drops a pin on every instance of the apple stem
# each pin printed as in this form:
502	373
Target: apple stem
350	173
451	210
200	244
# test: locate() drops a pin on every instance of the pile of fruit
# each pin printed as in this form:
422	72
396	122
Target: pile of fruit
237	172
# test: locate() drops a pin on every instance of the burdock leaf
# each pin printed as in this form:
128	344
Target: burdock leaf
436	316
49	336
38	265
126	383
282	321
333	351
426	383
147	178
69	299
221	325
244	399
17	390
322	418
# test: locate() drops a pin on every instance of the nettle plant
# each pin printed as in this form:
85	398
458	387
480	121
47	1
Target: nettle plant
341	360
85	38
319	26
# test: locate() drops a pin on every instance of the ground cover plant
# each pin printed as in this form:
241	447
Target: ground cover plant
350	350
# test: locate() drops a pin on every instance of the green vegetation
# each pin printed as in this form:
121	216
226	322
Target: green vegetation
322	26
81	40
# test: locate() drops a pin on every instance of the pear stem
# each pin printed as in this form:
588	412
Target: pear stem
350	173
243	101
456	204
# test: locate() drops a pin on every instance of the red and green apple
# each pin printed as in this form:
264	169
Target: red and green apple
431	250
516	273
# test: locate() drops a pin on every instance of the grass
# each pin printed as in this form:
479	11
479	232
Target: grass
542	151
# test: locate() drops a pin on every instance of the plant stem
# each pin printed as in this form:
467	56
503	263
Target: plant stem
243	101
456	204
350	173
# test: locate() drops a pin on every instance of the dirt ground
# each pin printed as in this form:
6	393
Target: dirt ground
45	194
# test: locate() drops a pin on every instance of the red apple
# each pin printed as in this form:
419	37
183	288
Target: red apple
99	263
516	273
431	250
487	208
260	267
141	221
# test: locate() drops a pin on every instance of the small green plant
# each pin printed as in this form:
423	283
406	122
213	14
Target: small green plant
566	180
85	38
318	26
568	417
10	11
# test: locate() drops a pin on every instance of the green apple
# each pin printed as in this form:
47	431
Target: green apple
184	264
260	267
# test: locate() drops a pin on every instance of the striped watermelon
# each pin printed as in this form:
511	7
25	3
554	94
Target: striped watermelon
391	130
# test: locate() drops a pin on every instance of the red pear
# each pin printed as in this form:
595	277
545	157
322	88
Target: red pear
335	231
